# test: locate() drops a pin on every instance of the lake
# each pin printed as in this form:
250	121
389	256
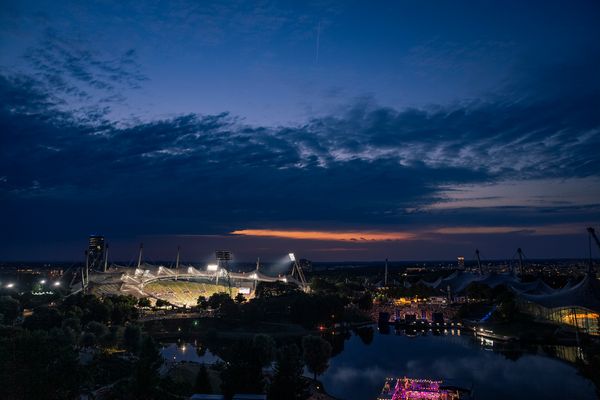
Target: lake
359	371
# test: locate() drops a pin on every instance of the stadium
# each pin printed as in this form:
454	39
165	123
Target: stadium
181	285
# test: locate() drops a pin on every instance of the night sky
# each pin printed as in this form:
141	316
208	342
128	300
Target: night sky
342	130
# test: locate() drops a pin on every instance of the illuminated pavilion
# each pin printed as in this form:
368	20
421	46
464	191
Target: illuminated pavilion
577	305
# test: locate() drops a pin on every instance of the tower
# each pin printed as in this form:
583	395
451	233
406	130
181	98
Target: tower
96	249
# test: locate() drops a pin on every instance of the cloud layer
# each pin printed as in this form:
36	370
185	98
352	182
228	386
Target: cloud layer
367	168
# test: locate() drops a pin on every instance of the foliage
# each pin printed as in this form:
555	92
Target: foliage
144	302
316	353
365	302
145	376
216	300
288	382
240	298
162	303
202	302
243	373
39	365
10	309
43	318
263	347
132	337
202	384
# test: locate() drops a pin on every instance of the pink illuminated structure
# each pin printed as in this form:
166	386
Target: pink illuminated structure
416	389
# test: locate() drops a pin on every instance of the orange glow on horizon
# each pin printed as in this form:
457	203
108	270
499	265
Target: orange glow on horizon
326	235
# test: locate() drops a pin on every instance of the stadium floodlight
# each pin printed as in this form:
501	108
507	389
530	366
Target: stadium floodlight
292	257
212	267
223	255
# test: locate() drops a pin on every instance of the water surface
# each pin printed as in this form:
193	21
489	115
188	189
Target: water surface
358	372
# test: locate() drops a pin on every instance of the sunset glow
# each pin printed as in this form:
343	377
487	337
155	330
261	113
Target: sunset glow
326	235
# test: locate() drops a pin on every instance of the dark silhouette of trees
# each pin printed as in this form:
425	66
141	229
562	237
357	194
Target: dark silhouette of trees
202	302
240	298
243	373
39	365
132	337
288	382
144	302
145	376
316	354
10	309
202	384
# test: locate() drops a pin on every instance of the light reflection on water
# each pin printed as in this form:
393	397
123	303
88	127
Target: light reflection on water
359	371
187	352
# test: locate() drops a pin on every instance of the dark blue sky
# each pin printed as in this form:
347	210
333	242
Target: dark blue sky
341	130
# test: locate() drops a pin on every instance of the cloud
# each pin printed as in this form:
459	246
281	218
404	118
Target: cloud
368	172
326	235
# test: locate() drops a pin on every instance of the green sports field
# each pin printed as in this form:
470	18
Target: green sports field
183	292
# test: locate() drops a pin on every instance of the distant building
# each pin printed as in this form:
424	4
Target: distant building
96	249
461	262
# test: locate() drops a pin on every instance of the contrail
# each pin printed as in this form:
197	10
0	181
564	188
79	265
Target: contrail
318	42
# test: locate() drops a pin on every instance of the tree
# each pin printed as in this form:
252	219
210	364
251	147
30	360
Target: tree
144	302
88	339
10	309
145	376
162	303
264	349
202	302
288	382
39	365
43	318
202	384
316	353
218	299
365	334
365	302
240	298
132	337
243	373
97	328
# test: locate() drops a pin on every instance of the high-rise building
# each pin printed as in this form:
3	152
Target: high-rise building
96	249
461	261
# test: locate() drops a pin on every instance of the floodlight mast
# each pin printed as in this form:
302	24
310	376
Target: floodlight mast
139	264
177	263
520	253
223	256
298	269
106	258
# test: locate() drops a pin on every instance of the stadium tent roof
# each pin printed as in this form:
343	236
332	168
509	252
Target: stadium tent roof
585	294
538	287
494	279
458	281
433	284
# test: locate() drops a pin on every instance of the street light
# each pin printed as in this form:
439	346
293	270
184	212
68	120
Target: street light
57	283
10	285
43	282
